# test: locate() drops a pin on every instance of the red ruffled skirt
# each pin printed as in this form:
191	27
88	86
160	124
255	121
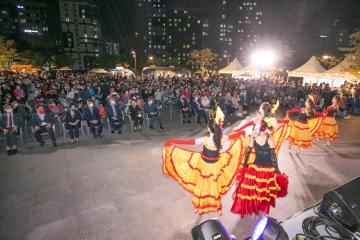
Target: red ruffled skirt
256	191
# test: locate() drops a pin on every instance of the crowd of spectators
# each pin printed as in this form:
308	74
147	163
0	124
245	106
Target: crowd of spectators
77	100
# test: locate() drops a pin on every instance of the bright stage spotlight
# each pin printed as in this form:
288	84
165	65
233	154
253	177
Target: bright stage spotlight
264	58
268	228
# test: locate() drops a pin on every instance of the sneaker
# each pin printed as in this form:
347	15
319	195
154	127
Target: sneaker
54	144
161	127
76	139
9	152
112	131
119	132
14	151
151	127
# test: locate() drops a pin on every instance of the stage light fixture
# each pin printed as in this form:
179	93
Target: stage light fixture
268	228
211	229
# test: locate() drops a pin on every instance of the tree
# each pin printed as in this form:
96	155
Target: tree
109	61
63	60
8	52
203	59
353	50
329	61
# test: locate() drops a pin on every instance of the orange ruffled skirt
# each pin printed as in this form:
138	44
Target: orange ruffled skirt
206	182
256	191
328	129
300	135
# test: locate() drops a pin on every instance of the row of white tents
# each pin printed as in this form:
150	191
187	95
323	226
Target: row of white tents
311	71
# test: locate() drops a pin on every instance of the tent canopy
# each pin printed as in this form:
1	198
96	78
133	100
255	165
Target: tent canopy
65	69
98	70
233	68
339	71
311	68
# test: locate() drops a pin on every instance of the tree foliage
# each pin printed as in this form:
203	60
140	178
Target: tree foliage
354	51
203	59
329	61
8	52
107	61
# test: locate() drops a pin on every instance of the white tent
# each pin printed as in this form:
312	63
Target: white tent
233	68
312	68
339	73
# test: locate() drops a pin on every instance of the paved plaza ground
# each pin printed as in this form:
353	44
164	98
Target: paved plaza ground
113	188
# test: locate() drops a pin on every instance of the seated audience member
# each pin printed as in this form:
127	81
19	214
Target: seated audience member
9	123
136	114
43	122
185	109
153	112
92	117
72	122
114	113
198	109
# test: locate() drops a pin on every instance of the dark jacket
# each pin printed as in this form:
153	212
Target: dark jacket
110	113
37	121
183	104
4	121
69	119
88	116
135	112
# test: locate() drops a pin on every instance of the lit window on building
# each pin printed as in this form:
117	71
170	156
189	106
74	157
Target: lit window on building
23	20
223	16
67	19
4	12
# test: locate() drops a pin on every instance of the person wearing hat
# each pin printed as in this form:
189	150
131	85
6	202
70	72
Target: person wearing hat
185	109
9	123
43	122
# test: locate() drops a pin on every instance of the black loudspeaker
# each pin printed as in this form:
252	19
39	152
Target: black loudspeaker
210	230
343	205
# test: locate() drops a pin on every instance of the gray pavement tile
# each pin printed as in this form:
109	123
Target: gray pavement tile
61	229
91	199
14	223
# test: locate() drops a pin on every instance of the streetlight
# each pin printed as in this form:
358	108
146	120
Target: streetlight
325	57
133	54
151	58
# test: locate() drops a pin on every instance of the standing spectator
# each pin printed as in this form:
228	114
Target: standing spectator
9	123
73	122
185	109
43	122
136	114
115	116
153	112
92	117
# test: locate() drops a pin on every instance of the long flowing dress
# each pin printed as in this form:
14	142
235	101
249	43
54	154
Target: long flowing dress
302	127
206	175
257	187
329	128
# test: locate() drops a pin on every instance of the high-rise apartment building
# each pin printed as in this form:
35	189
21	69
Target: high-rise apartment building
81	31
150	29
22	19
183	35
